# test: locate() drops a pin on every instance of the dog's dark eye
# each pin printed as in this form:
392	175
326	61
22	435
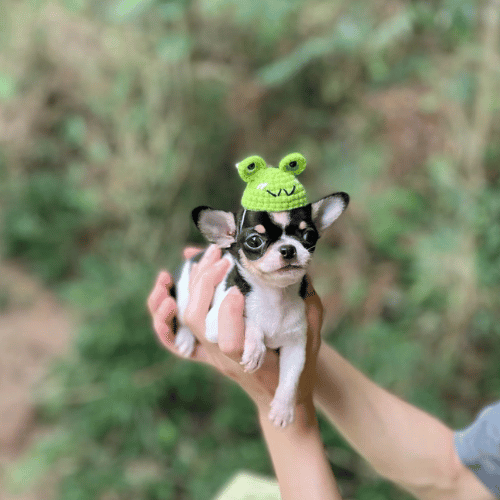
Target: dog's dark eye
310	236
254	242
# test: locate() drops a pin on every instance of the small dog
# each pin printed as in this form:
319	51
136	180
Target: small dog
269	246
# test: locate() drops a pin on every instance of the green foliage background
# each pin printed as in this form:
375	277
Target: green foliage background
117	117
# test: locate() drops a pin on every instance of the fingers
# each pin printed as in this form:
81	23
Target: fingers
205	276
314	315
310	292
209	259
163	309
314	312
231	325
160	291
162	321
314	307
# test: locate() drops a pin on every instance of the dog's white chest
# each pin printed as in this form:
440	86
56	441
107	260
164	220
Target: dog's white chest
279	315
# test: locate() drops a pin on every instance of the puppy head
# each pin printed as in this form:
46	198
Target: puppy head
275	247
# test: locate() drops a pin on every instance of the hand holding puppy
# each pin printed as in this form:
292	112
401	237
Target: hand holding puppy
226	355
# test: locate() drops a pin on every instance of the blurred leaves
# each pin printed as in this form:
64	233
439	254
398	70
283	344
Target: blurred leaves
7	86
126	10
174	48
346	37
391	215
394	29
352	35
248	12
49	222
74	130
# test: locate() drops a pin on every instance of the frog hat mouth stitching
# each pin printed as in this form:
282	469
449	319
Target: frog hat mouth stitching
279	192
284	190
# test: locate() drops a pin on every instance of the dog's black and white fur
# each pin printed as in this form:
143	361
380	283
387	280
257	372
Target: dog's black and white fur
269	254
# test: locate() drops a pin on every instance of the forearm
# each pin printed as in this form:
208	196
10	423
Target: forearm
402	443
298	456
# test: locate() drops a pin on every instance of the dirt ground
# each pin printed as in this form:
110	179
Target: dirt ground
34	329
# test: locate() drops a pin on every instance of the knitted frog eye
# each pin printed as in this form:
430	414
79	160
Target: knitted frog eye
248	167
294	163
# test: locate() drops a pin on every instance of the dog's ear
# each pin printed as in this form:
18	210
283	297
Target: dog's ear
217	226
328	209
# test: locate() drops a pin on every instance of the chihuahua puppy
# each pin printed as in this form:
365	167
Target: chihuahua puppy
269	253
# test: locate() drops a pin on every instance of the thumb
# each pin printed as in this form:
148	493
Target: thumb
189	252
232	324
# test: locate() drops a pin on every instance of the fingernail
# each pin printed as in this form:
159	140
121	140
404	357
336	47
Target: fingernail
211	250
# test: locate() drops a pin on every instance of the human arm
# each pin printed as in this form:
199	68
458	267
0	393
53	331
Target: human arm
298	456
297	453
403	443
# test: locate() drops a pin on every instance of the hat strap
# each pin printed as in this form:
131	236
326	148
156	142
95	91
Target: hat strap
242	219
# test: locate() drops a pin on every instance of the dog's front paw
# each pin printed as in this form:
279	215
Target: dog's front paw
281	413
253	356
185	341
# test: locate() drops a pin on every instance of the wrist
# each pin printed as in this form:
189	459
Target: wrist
305	416
298	456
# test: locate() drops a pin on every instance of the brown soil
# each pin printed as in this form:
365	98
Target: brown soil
34	330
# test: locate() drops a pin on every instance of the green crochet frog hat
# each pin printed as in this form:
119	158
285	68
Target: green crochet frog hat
272	189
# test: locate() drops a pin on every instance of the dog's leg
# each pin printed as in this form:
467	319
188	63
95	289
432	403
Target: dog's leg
254	349
212	325
212	320
185	341
184	338
292	359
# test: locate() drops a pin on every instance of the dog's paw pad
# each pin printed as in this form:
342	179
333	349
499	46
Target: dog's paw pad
253	357
185	342
281	414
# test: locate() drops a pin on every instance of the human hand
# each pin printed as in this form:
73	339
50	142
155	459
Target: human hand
225	357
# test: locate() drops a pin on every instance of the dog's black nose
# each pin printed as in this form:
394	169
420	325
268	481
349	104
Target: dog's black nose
288	252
